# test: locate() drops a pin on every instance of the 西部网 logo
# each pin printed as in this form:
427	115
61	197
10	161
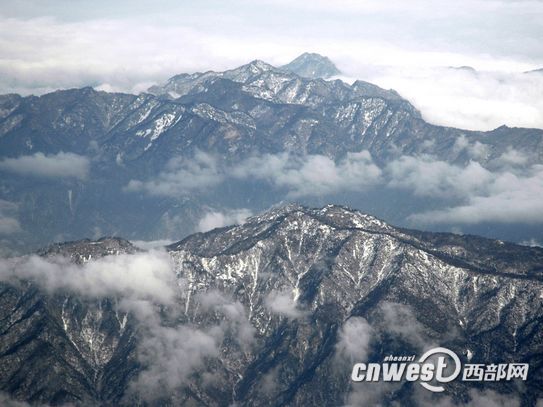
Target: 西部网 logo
434	368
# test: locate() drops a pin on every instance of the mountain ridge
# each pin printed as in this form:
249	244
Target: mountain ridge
278	291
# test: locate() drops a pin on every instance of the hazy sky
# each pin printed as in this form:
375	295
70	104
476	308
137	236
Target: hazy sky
407	45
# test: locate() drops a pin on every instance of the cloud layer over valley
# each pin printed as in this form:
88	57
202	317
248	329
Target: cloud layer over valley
60	165
506	189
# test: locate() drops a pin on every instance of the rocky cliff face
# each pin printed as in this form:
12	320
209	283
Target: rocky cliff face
272	312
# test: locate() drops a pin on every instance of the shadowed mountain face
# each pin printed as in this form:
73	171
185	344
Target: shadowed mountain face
79	163
272	312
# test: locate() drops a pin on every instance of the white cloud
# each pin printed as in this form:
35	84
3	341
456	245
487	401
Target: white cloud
312	175
477	150
283	303
354	340
8	222
308	175
512	158
216	219
61	165
146	276
170	355
505	197
505	190
400	320
512	192
353	346
370	393
150	244
42	54
482	100
238	321
425	176
181	176
270	382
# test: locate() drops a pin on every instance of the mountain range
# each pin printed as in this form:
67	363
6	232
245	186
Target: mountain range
271	312
215	145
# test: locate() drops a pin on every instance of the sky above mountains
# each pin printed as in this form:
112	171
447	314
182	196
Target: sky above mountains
406	45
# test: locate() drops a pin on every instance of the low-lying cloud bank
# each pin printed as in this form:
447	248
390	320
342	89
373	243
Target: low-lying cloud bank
182	176
466	98
504	196
60	165
299	176
504	189
312	174
143	276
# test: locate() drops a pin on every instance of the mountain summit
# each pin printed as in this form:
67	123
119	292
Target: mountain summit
311	65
